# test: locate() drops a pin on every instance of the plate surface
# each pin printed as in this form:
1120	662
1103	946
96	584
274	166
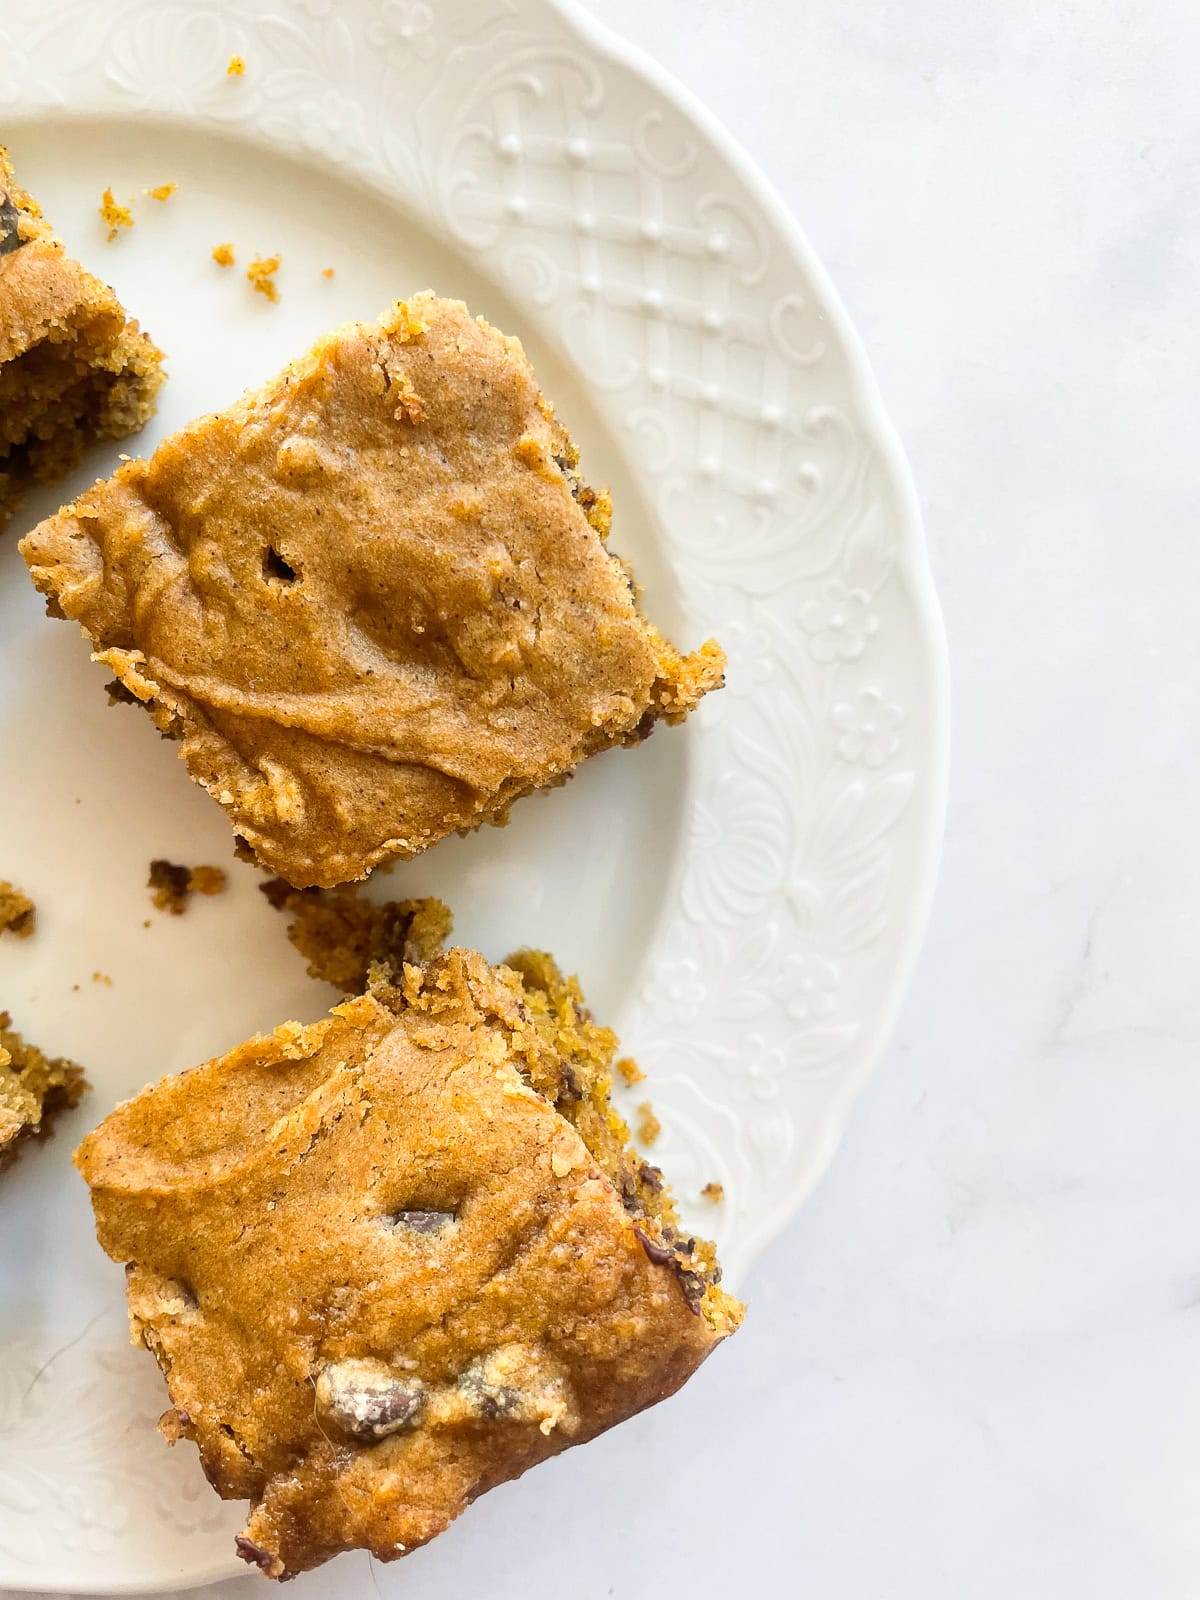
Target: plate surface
742	898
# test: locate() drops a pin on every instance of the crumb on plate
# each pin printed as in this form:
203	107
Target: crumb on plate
236	67
630	1071
649	1127
172	885
222	254
34	1087
261	273
164	191
102	977
18	914
114	215
327	272
715	1192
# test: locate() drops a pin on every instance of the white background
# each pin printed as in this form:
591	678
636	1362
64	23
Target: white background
972	1365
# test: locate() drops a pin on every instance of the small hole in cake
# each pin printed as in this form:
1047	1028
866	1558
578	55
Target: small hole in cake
274	566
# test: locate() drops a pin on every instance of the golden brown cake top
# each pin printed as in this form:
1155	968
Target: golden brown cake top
381	1273
372	598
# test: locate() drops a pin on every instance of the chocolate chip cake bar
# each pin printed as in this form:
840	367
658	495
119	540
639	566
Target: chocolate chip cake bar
392	1259
73	367
33	1088
373	599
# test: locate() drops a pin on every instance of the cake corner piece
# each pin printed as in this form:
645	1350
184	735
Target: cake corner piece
74	369
417	622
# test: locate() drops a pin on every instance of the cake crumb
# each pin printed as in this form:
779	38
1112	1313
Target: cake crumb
261	273
649	1127
164	191
172	885
207	880
714	1192
18	914
236	67
630	1071
114	215
102	977
411	407
327	272
222	254
34	1088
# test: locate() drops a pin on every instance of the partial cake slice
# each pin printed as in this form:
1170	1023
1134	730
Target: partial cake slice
372	599
397	1257
73	367
33	1088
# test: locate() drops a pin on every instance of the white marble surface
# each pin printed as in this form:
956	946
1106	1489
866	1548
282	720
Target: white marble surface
972	1366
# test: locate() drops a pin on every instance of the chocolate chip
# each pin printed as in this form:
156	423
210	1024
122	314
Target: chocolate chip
422	1221
489	1400
254	1555
10	226
366	1401
651	1177
571	1089
660	1254
693	1286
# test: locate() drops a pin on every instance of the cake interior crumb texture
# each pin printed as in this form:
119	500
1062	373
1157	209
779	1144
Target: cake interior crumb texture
391	1259
373	600
73	368
33	1088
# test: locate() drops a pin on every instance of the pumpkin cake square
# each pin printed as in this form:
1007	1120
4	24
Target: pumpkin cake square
73	367
392	1259
372	599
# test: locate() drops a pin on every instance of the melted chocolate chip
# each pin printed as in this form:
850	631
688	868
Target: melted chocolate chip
422	1221
367	1402
693	1286
254	1555
651	1177
10	226
661	1255
489	1400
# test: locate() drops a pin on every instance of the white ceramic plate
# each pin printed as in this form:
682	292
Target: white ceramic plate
742	898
